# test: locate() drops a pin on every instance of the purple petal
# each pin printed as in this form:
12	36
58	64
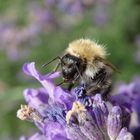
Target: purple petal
37	99
60	137
52	129
56	93
29	69
101	104
36	136
136	104
89	127
100	111
125	135
114	122
136	90
122	99
99	117
74	133
22	138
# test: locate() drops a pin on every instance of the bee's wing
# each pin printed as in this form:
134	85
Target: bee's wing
106	62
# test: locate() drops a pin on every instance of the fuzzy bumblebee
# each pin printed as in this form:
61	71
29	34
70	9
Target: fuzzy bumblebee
85	61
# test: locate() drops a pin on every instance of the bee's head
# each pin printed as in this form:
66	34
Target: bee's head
72	67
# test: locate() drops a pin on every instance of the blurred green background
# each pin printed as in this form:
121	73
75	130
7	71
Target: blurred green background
39	30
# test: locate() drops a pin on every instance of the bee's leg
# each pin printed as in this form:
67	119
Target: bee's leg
107	91
46	64
61	83
56	67
93	90
102	88
70	86
78	73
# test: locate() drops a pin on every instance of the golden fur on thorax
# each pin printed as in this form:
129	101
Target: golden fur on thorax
86	49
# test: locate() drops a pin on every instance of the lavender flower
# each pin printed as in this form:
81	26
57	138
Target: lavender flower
101	15
41	19
13	39
128	95
36	136
60	115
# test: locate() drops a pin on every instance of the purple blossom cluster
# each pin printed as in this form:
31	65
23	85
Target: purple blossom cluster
101	15
128	95
59	114
15	40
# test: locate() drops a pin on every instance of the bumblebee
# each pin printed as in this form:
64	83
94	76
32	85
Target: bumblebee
85	62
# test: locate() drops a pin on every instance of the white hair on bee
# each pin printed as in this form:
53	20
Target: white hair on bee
86	48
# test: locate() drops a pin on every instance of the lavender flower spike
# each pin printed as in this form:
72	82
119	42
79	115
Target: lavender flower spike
63	115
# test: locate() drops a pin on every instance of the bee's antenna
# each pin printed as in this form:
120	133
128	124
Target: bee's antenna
44	65
79	72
